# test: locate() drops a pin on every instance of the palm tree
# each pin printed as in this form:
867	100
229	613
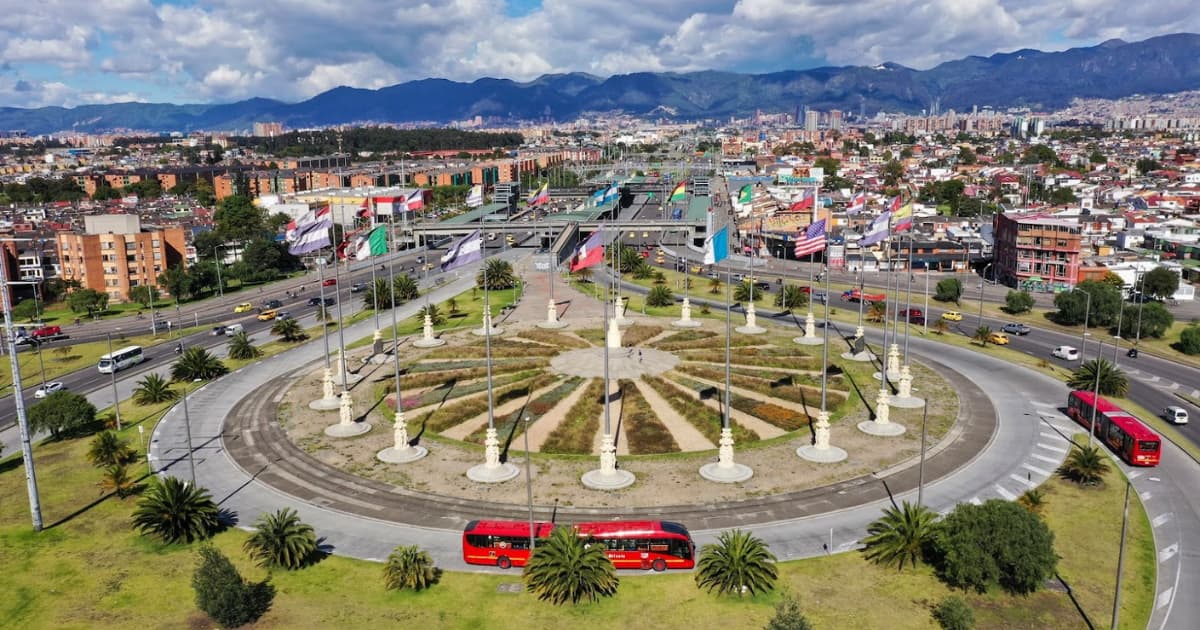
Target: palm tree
1113	381
642	270
791	297
108	449
241	349
379	289
940	326
981	335
1086	465
746	292
153	389
198	363
877	312
1033	500
452	306
738	562
281	540
660	277
435	314
660	296
499	275
118	481
714	286
409	567
176	511
900	535
289	330
406	288
565	568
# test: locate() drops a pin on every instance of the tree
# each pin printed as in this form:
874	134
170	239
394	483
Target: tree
892	172
1086	465
966	156
1113	280
566	568
241	349
791	297
1073	305
63	414
435	314
1154	320
406	288
981	335
1017	302
409	567
1189	340
378	294
583	275
25	309
1062	197
175	511
788	615
498	273
953	613
642	270
152	389
714	286
737	563
996	542
117	480
281	540
1147	165
108	449
660	296
1112	380
289	330
876	312
143	294
238	219
224	595
202	276
901	536
176	281
744	291
452	306
264	260
197	363
940	326
88	301
1033	499
1160	283
948	290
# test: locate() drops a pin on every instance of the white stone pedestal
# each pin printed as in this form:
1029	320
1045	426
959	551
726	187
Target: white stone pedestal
347	427
401	451
377	342
347	378
751	327
613	336
328	401
904	398
607	477
859	332
427	339
881	426
552	317
725	470
491	470
810	337
685	316
893	360
487	328
619	313
820	450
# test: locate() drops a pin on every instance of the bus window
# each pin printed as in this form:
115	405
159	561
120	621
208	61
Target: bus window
1147	446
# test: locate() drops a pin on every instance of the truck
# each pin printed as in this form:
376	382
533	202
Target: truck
47	332
855	295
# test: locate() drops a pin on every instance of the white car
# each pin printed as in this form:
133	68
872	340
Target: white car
48	388
1066	352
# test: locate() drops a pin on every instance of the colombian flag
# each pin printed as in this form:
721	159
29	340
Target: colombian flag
903	218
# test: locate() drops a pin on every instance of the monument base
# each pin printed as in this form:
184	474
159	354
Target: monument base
726	474
829	455
402	456
492	474
340	430
870	427
615	480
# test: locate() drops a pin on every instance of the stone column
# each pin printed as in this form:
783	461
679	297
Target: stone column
607	477
882	425
552	317
613	338
377	342
820	450
751	327
328	401
904	397
427	339
893	361
347	427
810	337
492	470
685	319
725	470
401	451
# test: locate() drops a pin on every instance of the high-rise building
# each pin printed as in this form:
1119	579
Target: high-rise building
835	119
115	254
812	120
268	129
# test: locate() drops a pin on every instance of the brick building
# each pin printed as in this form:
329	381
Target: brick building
115	253
1036	251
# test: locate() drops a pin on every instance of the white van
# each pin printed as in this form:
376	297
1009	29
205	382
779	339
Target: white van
233	329
1175	415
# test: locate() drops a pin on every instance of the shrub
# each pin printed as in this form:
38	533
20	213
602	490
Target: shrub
952	613
660	296
1189	340
788	615
63	414
948	290
108	449
1017	302
994	543
224	595
409	567
281	540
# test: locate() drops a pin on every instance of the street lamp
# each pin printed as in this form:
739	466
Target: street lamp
187	426
1086	311
35	505
528	485
1095	392
982	283
217	259
113	373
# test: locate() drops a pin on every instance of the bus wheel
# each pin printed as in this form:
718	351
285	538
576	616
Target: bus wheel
503	562
659	565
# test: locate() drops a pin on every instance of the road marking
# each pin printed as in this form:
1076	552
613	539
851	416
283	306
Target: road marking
1051	434
1036	469
1008	496
976	501
1133	474
1044	458
1164	597
1154	379
1158	521
1173	386
1041	404
1168	552
1028	482
1051	448
1144	495
1195	393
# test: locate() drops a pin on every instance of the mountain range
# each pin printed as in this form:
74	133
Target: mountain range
1024	78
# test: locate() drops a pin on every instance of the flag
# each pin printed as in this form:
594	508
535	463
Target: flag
904	218
857	204
590	252
805	202
540	196
612	194
467	250
372	243
309	238
893	204
415	201
746	194
811	240
364	210
475	198
679	194
716	247
598	197
878	230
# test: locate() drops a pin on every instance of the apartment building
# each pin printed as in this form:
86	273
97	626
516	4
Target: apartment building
1037	251
116	253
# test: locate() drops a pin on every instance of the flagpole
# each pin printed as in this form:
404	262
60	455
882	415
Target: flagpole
374	280
862	257
322	313
401	452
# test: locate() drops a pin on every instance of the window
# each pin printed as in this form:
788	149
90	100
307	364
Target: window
130	245
154	243
157	255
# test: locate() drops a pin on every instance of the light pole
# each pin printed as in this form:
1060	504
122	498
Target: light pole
529	486
187	426
217	259
113	374
982	283
35	504
1095	392
1141	301
1086	311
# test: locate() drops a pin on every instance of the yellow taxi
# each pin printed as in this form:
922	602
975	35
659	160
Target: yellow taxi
243	307
267	316
952	316
998	338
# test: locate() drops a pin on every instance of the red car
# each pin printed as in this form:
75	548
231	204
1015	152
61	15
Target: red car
330	282
47	331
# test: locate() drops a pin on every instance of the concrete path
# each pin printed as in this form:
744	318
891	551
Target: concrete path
688	437
764	430
544	426
463	430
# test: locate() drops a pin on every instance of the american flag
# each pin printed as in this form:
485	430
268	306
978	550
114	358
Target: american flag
811	240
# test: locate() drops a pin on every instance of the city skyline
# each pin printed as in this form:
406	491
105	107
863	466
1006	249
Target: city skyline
69	53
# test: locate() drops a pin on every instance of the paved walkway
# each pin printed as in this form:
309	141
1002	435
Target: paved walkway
688	437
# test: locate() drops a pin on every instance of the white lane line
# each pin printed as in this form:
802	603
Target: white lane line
1024	481
1052	435
1051	448
1144	495
1158	521
1044	473
1008	496
1164	597
1133	474
1044	458
1173	386
1168	552
1042	404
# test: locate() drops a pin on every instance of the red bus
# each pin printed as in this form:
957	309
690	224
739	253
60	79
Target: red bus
657	545
1133	441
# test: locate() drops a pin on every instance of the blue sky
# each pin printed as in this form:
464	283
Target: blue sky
73	52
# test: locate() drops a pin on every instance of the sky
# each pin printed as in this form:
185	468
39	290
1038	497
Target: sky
78	52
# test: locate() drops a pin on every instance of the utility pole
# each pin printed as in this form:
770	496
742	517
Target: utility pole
35	504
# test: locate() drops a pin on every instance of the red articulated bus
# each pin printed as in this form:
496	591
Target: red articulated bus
657	545
1133	441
